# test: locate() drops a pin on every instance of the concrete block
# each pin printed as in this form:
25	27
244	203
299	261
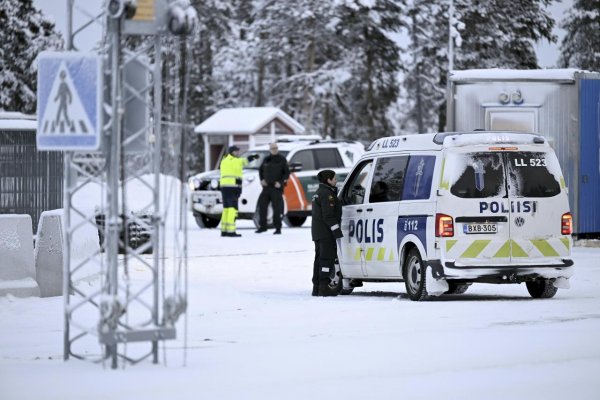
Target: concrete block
50	247
49	254
17	268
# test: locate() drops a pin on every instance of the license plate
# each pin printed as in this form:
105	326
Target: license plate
480	228
205	200
209	202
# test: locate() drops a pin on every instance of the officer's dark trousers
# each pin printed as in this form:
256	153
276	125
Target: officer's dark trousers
325	255
275	197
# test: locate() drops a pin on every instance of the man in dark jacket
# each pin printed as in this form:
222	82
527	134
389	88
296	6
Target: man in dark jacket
274	173
325	229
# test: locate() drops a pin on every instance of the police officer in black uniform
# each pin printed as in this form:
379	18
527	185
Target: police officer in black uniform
274	173
326	228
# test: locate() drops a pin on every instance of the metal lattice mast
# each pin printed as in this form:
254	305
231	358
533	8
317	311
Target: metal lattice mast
132	309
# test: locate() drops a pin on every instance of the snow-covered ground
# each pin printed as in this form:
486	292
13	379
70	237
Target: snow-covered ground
254	332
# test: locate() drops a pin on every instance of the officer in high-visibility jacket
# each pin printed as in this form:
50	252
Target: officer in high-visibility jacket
231	167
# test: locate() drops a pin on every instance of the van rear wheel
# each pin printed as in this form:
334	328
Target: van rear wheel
414	276
541	289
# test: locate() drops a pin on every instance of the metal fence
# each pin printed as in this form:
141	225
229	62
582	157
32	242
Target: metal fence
31	181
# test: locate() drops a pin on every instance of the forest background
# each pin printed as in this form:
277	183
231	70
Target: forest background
357	69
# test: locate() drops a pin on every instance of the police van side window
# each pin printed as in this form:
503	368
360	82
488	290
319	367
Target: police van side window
354	191
306	158
419	175
388	179
328	158
530	174
480	175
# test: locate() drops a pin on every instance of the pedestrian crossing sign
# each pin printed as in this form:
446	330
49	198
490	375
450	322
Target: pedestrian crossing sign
69	101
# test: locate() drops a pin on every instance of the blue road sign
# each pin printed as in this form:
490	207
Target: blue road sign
69	99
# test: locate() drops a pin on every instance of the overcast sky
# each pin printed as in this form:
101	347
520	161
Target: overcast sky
547	53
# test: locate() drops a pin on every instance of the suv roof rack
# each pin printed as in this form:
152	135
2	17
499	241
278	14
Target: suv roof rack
319	141
297	138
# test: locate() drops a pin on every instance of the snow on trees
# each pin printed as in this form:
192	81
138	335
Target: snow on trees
580	47
25	32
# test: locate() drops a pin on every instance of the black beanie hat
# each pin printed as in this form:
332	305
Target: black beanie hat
325	175
231	149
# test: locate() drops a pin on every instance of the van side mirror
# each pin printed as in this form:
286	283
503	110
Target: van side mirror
295	167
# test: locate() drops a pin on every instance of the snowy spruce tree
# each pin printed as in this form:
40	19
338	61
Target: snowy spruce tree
426	63
233	65
287	55
25	33
324	63
373	61
580	47
502	33
299	59
487	34
213	27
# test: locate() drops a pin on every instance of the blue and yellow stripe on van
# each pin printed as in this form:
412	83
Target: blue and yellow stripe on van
379	253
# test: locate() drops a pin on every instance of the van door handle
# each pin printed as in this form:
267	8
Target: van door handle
358	211
369	209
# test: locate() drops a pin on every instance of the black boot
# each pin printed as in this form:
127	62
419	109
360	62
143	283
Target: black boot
315	290
325	288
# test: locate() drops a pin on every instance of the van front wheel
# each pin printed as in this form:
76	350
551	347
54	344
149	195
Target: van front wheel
541	289
414	276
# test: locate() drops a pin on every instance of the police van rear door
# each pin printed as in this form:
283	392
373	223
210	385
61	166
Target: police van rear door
478	205
538	201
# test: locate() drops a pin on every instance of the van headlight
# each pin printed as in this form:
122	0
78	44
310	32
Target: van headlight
214	184
194	183
249	179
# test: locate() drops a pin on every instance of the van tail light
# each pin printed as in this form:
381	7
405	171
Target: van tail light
444	225
566	224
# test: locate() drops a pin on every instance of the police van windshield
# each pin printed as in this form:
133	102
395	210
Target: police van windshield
255	164
520	174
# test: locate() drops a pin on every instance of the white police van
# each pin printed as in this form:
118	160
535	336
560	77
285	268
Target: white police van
442	211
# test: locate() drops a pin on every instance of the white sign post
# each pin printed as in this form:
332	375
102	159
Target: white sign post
69	101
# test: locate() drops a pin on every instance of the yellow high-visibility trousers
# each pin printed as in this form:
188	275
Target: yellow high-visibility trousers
228	220
230	203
